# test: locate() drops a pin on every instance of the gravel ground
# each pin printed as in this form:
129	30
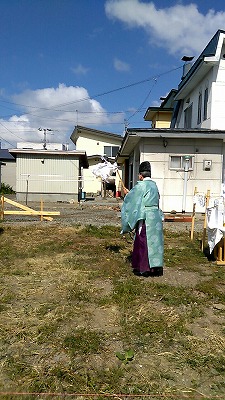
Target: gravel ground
94	211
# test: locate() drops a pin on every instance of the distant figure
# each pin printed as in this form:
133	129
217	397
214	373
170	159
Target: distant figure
111	184
140	211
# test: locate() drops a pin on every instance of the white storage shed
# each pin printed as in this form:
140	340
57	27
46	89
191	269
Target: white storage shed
49	175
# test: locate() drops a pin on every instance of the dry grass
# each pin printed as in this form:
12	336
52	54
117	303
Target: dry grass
69	303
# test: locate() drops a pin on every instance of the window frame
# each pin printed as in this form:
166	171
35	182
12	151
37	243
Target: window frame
188	117
111	151
205	103
182	162
199	120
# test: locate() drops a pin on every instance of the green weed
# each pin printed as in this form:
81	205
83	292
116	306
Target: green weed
125	357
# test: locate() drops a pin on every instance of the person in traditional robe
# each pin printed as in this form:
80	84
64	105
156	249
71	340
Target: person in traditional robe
140	212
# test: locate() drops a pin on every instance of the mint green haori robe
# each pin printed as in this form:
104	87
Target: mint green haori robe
141	206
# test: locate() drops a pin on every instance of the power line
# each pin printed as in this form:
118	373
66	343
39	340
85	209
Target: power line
71	120
94	96
6	141
154	83
139	109
10	131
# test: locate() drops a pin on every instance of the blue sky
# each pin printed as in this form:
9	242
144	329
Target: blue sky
96	63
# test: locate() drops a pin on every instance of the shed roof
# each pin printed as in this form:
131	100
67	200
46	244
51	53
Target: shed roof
6	156
74	153
94	132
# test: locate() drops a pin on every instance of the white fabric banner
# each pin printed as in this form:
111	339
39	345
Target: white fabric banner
105	170
215	221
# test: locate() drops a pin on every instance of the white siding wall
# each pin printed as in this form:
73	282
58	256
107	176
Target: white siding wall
56	178
94	145
171	182
218	98
192	98
91	183
8	174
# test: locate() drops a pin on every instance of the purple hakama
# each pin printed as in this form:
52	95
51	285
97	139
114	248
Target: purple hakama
140	260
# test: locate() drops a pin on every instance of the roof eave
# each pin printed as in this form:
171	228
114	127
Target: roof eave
177	133
79	129
189	82
152	111
81	154
128	145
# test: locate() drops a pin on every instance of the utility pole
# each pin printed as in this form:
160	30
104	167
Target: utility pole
45	130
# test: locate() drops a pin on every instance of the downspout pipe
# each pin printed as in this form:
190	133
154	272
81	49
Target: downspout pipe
186	169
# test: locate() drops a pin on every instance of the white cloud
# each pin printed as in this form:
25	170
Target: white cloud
80	70
121	65
181	29
59	109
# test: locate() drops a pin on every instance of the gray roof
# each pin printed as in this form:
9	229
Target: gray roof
79	129
178	132
209	51
80	154
6	156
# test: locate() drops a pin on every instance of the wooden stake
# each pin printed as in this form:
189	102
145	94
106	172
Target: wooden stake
121	181
41	209
219	252
2	208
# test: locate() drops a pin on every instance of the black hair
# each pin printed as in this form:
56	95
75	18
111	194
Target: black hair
144	166
145	174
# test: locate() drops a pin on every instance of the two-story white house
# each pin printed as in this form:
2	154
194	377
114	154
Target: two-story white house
96	144
191	152
200	96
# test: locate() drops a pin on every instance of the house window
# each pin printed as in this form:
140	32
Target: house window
188	117
206	97
199	108
111	151
177	162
